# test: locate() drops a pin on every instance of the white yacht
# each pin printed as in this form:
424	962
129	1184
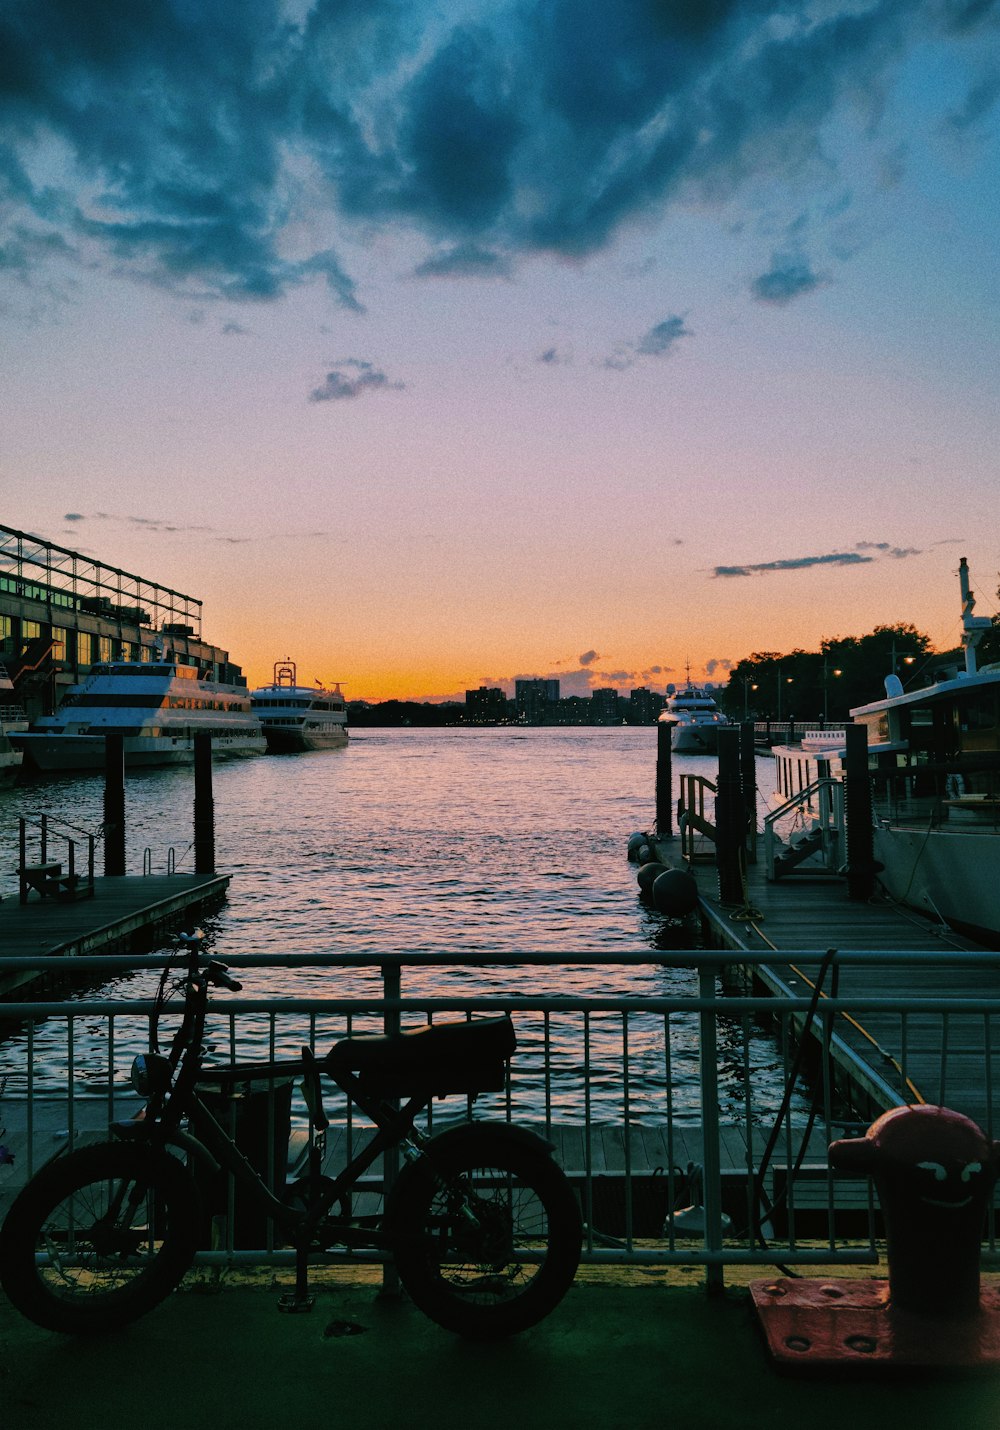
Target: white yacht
159	706
934	754
300	717
11	720
694	719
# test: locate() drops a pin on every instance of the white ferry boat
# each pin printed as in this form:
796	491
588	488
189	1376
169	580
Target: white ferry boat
159	707
694	719
300	717
934	754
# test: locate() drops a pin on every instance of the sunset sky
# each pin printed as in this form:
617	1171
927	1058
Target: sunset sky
435	345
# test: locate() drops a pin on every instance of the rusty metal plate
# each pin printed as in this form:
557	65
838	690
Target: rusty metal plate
813	1323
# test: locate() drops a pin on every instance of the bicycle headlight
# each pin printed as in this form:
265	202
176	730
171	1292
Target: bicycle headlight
150	1074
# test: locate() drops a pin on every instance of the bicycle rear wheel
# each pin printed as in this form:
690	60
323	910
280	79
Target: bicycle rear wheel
487	1231
98	1237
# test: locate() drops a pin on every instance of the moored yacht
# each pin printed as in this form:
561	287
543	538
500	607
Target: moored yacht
300	717
694	719
158	706
934	754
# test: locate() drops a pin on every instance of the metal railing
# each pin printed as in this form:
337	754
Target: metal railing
42	873
816	814
694	1120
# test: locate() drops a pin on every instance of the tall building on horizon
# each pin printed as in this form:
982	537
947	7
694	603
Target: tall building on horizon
535	700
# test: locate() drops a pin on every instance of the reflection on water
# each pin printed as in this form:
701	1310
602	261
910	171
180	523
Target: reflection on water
464	841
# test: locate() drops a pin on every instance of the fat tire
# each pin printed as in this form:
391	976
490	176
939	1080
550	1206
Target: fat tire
483	1296
97	1301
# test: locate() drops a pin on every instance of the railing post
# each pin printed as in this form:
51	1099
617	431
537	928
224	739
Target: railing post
392	988
114	804
710	1153
729	820
664	783
204	806
858	815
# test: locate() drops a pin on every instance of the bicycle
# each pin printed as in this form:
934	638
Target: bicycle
483	1225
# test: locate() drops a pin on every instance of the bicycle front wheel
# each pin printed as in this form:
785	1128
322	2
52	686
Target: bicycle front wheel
487	1231
99	1237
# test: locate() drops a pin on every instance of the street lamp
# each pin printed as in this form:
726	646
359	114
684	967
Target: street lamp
826	690
747	687
788	679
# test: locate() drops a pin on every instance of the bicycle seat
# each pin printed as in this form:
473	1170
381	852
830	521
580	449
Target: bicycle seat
439	1058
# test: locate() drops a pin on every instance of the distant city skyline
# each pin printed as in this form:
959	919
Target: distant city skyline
442	346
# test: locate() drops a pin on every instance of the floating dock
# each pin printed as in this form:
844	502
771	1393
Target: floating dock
883	1059
123	913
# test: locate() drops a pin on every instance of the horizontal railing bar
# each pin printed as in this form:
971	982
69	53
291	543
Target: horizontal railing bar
730	1007
681	958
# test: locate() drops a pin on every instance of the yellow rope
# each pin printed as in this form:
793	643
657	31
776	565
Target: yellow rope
858	1027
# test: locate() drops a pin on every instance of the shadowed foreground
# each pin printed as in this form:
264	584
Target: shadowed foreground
623	1349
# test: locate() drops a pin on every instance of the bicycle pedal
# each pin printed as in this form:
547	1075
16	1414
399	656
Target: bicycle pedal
294	1305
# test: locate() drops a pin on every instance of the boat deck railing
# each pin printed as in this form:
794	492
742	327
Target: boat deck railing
693	1118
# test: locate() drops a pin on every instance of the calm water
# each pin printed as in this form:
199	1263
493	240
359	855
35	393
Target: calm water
419	841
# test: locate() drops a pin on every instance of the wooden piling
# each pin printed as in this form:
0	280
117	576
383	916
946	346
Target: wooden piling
664	784
114	804
748	786
858	815
729	819
204	805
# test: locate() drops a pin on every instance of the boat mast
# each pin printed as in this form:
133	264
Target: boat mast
973	627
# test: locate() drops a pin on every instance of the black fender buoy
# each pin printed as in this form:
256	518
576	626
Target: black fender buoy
648	873
636	843
675	892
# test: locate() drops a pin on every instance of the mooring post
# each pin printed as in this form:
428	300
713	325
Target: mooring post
748	786
729	819
204	806
664	784
114	804
858	815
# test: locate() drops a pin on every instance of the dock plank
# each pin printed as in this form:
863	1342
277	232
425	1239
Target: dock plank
806	913
121	910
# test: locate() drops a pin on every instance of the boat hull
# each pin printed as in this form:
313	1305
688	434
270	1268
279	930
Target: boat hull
57	754
694	739
953	874
297	742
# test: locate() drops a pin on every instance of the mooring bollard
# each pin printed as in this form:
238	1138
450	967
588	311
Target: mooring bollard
114	804
934	1171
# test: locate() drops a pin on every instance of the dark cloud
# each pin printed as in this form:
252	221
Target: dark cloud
657	342
220	150
588	657
857	557
464	260
361	377
787	278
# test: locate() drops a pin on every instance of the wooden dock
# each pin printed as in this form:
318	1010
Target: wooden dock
880	1055
121	913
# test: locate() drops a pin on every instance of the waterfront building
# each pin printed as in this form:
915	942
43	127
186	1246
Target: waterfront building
604	705
644	706
62	611
486	706
536	701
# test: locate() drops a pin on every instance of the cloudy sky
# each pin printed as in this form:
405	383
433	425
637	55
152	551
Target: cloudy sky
432	345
